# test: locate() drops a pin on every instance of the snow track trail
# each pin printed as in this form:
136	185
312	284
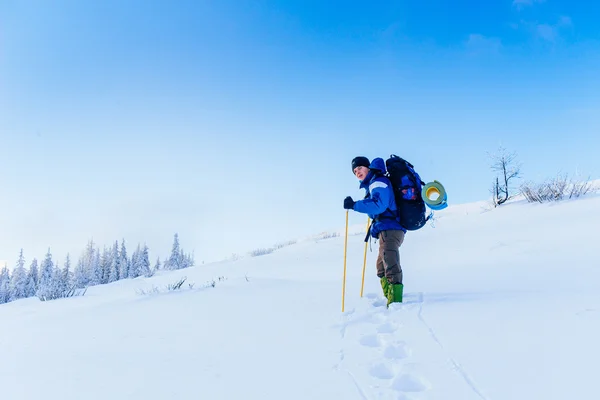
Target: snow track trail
378	345
455	364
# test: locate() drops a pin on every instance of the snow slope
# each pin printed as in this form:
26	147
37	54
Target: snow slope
503	304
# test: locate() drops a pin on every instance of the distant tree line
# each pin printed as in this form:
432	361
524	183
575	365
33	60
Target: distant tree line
49	281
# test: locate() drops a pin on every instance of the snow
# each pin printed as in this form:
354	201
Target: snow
499	304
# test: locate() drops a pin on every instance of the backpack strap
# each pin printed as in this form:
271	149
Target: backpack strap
368	232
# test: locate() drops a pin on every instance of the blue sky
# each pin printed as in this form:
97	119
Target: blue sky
234	122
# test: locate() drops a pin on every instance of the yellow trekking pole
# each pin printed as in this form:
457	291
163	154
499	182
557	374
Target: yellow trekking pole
345	251
362	285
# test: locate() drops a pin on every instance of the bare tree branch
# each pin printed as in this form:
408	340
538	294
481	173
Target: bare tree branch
505	163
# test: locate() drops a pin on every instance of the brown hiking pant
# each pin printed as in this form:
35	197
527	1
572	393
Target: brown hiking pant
388	260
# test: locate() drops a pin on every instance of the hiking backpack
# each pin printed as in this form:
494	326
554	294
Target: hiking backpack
407	192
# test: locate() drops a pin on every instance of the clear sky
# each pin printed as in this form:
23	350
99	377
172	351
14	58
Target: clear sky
233	122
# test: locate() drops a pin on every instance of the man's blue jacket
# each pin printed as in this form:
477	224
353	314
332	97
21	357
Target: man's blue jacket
379	202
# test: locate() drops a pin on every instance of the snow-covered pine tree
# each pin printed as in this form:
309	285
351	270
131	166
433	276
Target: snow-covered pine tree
144	263
157	265
95	267
83	275
105	265
4	285
183	260
80	277
59	285
134	268
46	285
33	277
88	259
123	262
178	259
18	281
67	273
190	260
186	260
174	261
114	262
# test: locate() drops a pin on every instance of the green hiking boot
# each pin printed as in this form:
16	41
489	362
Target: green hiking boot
395	292
385	285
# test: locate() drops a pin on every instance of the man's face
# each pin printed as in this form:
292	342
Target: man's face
361	172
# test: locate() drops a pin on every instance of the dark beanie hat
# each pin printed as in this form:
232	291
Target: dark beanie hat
360	162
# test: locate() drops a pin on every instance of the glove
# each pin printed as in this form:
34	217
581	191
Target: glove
349	203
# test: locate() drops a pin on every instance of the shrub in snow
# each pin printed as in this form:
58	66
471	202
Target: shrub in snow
560	188
284	244
168	288
326	235
178	285
261	252
213	283
144	292
62	293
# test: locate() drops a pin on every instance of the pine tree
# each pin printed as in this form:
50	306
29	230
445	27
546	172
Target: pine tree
46	284
175	261
182	259
124	262
94	266
186	260
18	282
59	285
97	267
85	274
114	270
67	274
4	285
105	261
157	266
33	277
144	263
134	269
80	278
88	260
178	259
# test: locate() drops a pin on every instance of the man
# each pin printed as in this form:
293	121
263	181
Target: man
380	205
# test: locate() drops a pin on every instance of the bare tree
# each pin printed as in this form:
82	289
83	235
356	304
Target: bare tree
496	192
507	168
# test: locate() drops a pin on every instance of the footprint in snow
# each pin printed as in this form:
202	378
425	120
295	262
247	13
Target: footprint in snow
381	371
377	318
388	327
379	303
370	341
396	351
349	312
409	383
